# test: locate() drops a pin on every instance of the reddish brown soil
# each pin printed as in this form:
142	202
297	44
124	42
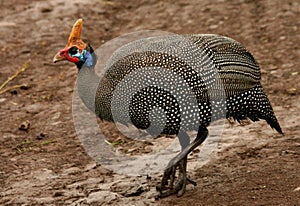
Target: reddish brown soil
46	165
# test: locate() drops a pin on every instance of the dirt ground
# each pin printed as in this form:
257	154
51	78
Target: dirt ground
46	164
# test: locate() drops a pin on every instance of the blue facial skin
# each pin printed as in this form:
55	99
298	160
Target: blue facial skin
88	58
85	57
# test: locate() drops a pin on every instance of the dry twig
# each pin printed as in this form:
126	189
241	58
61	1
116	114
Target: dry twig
12	87
9	79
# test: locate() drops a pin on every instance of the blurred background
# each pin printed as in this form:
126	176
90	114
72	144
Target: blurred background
42	160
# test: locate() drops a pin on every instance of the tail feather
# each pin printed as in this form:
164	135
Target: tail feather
253	104
265	111
274	125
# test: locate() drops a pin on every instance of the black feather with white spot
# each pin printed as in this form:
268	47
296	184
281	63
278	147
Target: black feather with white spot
239	76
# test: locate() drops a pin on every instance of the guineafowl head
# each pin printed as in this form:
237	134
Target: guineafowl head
76	50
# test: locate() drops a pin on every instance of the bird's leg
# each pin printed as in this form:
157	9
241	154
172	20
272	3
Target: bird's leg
201	136
182	177
180	161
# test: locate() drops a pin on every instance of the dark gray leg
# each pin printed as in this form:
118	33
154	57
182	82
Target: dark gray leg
180	161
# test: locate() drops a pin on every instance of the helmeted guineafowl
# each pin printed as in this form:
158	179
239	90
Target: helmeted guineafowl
237	91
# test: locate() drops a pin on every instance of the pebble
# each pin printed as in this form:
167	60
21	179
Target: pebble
292	91
46	9
41	136
101	197
35	108
297	189
90	166
24	125
56	115
14	92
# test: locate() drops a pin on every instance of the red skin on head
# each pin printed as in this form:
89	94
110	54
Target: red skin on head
64	53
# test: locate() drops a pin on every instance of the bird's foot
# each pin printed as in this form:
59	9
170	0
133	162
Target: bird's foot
167	186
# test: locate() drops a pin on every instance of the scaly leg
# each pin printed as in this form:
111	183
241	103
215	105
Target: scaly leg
180	161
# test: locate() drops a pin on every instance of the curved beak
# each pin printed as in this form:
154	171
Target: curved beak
58	57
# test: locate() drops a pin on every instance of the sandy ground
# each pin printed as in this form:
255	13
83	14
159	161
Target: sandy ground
46	164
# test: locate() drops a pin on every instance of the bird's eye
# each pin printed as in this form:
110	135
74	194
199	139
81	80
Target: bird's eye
73	50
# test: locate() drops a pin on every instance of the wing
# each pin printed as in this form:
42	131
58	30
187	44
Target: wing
236	66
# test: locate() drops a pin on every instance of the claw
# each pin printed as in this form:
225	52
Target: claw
191	181
167	188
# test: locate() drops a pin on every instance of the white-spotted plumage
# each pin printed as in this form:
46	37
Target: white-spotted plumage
237	70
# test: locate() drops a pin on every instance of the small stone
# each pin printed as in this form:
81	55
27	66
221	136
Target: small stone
196	151
90	166
14	92
56	115
24	125
282	37
46	9
24	87
41	136
35	108
292	91
215	26
294	73
297	189
69	89
101	197
58	193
